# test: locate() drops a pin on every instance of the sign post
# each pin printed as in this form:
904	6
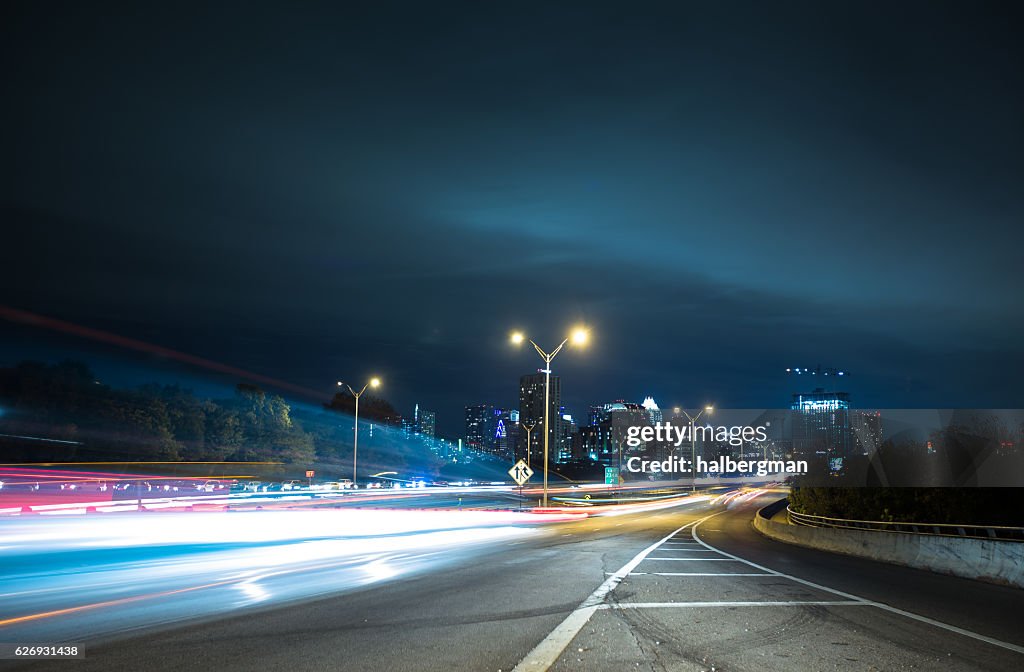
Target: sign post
310	474
520	473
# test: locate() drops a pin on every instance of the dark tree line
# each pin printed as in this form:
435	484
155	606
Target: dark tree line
81	419
65	402
370	408
969	471
967	506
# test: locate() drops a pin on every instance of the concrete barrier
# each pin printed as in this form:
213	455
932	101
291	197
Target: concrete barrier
999	562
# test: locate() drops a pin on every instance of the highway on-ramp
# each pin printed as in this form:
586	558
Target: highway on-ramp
686	587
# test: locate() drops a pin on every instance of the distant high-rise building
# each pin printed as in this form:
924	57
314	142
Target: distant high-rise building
492	430
506	433
605	441
422	423
566	431
653	412
867	431
427	423
479	426
821	426
593	443
531	411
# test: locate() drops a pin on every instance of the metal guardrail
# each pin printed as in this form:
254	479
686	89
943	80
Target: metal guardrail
931	529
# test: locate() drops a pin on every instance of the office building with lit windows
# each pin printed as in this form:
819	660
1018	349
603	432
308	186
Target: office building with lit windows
867	431
653	412
531	411
427	422
506	433
821	426
479	426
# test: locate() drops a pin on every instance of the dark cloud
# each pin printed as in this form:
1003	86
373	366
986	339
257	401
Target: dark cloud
722	191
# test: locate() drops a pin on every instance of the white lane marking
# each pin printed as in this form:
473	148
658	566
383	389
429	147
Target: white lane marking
951	628
696	574
691	605
544	655
696	559
688	550
880	605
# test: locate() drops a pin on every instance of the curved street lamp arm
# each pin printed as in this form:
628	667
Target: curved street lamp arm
558	349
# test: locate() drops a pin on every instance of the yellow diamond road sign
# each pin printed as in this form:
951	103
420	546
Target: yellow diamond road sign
520	473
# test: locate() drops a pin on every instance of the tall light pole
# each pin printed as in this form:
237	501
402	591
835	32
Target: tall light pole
579	337
528	428
693	439
373	382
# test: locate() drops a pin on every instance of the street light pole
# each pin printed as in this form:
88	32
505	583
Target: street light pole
373	382
693	442
547	357
579	336
528	428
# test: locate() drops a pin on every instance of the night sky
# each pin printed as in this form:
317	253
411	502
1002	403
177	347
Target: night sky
720	190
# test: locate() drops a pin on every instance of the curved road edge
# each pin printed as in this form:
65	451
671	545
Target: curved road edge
999	562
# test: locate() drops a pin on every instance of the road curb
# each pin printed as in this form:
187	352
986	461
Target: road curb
1000	562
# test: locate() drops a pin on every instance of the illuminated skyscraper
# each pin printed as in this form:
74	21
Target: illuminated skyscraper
653	412
821	426
479	426
567	431
427	423
867	431
531	411
506	433
605	440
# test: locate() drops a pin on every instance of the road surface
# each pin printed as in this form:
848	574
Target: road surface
692	587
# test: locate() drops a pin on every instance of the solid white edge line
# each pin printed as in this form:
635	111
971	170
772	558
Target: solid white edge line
544	655
697	574
695	559
687	605
880	605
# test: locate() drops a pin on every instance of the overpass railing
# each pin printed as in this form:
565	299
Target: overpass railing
933	529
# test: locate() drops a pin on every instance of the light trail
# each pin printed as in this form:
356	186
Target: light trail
125	571
177	566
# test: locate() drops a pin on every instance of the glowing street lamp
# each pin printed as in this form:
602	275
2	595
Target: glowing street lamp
693	439
373	382
579	337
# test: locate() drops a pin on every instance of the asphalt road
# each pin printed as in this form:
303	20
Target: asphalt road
638	591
